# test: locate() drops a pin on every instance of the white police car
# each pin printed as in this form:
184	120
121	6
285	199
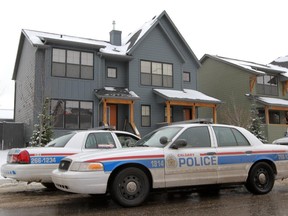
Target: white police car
180	155
36	164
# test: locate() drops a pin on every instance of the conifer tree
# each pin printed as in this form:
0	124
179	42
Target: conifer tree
256	124
43	132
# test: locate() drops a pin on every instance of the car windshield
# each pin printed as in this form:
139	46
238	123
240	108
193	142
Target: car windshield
60	141
153	139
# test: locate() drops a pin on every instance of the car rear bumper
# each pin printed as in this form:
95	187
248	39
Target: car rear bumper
28	172
81	182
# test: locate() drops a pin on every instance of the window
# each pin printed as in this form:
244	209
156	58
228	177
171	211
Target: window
186	77
156	74
126	140
100	140
196	137
267	85
72	114
73	64
145	116
111	72
229	137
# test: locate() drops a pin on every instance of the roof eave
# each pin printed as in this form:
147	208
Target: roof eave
116	56
72	43
206	56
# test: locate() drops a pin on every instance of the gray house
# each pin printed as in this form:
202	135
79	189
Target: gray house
240	84
135	84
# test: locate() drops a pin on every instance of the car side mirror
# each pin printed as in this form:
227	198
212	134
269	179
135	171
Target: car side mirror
179	144
164	140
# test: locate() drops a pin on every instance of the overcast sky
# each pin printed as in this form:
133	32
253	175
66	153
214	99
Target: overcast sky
252	30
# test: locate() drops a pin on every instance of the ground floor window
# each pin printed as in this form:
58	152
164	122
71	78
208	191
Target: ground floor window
145	116
72	114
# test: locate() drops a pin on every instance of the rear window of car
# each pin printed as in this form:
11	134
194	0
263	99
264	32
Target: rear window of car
229	137
60	141
100	140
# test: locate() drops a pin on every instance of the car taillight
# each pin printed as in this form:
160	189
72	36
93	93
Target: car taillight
23	158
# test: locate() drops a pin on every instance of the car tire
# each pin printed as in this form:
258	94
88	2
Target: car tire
130	187
261	179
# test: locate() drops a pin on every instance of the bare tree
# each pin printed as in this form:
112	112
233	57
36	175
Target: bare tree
235	114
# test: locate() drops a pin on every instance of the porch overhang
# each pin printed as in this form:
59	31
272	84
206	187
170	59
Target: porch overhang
117	95
189	98
272	104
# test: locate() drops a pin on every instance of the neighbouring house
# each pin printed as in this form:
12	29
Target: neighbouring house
136	83
239	84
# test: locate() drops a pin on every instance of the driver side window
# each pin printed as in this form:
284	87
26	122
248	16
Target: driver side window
196	137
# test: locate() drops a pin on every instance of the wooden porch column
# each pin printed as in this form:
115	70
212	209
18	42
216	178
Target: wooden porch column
104	112
267	115
168	114
193	112
131	107
214	115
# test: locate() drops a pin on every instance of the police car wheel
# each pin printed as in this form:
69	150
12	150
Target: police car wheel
130	187
261	179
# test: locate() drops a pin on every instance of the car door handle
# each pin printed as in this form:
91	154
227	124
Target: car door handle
248	152
211	153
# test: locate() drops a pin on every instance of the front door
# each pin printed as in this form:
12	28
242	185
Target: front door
194	164
186	114
112	115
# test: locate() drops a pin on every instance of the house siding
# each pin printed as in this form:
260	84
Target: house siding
161	43
122	74
25	89
227	83
155	47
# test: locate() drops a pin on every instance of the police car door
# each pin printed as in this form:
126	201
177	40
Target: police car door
233	151
193	164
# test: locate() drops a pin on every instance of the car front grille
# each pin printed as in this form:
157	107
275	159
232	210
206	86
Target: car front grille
64	165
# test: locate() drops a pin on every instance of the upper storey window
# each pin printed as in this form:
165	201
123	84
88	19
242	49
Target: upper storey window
156	74
267	85
72	64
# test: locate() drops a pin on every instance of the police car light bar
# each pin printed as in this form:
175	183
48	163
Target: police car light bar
194	121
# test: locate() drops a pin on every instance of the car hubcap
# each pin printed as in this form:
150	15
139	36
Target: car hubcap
130	187
262	178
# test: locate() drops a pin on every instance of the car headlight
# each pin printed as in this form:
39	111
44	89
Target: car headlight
86	166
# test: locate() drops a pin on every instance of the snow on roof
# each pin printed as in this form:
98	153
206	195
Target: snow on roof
255	67
186	94
116	92
277	67
39	38
130	40
282	59
273	101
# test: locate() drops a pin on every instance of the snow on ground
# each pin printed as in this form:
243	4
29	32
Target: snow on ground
3	157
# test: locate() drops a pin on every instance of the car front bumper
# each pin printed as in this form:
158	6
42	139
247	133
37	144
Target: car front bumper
81	182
